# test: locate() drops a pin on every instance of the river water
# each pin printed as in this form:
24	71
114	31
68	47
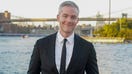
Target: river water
15	53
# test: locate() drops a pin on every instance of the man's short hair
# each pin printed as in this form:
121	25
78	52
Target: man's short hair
68	3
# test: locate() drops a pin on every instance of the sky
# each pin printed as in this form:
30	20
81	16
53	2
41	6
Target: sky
49	8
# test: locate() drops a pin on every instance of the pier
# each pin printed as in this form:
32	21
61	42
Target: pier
104	39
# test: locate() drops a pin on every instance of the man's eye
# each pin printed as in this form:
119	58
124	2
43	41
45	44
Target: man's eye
74	17
64	16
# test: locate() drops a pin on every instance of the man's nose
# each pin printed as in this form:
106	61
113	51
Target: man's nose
69	19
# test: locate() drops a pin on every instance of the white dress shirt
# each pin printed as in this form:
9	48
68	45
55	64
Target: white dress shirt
58	49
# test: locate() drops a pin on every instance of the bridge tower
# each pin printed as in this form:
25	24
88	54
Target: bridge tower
5	27
99	23
5	16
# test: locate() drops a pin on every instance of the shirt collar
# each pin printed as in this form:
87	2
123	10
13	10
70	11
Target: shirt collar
60	38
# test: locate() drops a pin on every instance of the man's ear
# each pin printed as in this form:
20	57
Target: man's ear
77	19
58	17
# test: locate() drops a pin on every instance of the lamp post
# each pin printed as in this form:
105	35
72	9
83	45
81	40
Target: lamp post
109	11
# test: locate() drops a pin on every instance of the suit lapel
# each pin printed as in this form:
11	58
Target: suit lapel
75	52
52	52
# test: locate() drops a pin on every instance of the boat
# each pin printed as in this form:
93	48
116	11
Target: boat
24	36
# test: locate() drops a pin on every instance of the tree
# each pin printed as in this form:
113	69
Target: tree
120	28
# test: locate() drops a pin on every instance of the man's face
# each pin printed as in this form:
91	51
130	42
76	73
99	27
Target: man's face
67	18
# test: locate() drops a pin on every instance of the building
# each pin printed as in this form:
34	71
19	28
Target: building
84	30
6	27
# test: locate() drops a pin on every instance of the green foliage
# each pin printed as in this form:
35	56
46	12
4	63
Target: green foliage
130	24
121	28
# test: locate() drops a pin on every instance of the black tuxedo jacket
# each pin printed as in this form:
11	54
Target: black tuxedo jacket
43	58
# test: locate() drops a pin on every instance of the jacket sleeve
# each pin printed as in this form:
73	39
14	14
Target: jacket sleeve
34	66
92	67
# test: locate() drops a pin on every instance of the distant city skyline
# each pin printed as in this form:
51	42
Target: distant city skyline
49	8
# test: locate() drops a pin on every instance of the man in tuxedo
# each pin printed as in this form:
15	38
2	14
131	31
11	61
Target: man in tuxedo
64	52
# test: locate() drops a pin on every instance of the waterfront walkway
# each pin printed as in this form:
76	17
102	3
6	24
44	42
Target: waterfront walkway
105	39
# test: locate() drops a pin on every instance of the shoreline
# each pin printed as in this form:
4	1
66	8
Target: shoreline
106	39
90	39
21	35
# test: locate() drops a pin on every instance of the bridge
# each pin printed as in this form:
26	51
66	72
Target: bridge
54	19
6	17
7	20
